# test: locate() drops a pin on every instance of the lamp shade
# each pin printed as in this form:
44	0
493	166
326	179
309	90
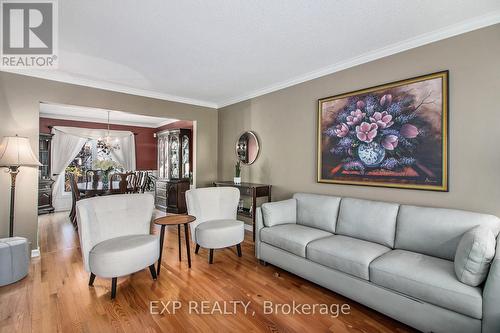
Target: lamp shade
16	151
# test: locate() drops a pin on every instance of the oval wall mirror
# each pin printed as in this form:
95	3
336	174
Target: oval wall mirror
247	147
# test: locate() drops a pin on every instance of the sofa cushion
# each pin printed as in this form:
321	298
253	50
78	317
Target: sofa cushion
280	212
474	254
373	221
437	231
317	211
291	237
428	279
349	255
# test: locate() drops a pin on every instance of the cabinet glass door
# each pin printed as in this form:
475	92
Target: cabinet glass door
174	157
185	157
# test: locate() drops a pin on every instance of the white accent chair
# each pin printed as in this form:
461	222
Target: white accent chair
216	226
115	237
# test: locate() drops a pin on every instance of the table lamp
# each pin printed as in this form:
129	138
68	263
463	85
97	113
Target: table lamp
15	152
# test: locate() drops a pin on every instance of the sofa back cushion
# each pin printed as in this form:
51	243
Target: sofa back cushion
437	231
317	211
279	212
373	221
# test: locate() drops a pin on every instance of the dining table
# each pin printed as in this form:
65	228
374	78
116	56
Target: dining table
98	188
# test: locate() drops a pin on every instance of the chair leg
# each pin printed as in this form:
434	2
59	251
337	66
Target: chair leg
152	269
238	248
179	240
197	249
211	256
262	262
92	278
113	288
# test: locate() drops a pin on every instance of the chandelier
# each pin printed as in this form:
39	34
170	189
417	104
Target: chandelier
108	144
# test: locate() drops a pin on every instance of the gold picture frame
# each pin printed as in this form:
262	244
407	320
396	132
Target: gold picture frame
391	135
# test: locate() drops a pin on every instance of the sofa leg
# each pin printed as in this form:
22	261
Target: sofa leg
211	256
92	278
113	288
197	249
262	262
153	272
238	249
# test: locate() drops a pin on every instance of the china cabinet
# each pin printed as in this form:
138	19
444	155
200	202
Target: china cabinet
45	181
174	170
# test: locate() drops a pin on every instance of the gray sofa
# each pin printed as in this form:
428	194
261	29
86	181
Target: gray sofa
396	259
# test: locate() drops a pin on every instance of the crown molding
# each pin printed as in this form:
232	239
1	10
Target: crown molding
411	43
427	38
104	121
64	77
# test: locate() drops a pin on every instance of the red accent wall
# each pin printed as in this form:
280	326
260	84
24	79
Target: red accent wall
145	142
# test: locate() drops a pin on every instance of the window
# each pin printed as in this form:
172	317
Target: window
93	156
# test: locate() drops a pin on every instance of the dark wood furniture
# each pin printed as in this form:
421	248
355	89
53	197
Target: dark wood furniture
170	195
175	220
75	196
174	170
252	190
94	189
45	181
123	183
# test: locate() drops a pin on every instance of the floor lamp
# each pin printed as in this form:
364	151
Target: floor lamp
15	152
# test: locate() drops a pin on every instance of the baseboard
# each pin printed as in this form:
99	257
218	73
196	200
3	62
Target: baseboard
35	252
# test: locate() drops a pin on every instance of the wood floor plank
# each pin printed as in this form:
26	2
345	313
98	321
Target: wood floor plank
55	296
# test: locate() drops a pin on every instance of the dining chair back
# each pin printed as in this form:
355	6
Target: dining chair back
75	196
122	179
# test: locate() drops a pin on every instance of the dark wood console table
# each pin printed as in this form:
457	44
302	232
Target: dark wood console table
252	190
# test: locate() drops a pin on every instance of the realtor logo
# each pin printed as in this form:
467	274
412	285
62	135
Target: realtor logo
29	34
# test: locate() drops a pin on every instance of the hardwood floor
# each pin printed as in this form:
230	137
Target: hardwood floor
55	297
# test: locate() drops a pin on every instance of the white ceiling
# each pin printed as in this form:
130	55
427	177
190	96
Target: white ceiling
80	113
218	52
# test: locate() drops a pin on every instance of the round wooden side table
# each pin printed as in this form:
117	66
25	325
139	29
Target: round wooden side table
177	220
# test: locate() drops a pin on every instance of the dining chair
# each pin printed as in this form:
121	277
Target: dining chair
122	179
75	196
115	238
132	183
144	183
93	176
216	226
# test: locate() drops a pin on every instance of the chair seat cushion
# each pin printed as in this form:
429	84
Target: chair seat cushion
349	255
292	237
124	255
428	279
217	234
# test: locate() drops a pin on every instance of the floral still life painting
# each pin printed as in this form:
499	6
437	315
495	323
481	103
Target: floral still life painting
393	135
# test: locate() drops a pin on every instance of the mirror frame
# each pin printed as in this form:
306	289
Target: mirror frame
256	140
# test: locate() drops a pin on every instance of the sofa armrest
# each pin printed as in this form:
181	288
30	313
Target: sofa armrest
259	224
491	296
279	212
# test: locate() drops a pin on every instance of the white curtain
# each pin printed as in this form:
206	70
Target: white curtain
126	154
64	149
68	141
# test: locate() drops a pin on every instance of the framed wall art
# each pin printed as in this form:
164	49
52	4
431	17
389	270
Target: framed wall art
391	135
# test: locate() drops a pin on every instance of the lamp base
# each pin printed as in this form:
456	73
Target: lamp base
13	170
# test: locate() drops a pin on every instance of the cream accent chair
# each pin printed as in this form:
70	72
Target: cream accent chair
115	237
216	226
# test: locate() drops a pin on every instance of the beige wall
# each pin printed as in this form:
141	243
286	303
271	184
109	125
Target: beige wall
285	122
19	111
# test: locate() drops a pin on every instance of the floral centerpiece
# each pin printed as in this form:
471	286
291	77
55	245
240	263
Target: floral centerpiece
107	166
377	131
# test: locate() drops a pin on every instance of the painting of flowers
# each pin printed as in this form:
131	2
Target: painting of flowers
392	135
